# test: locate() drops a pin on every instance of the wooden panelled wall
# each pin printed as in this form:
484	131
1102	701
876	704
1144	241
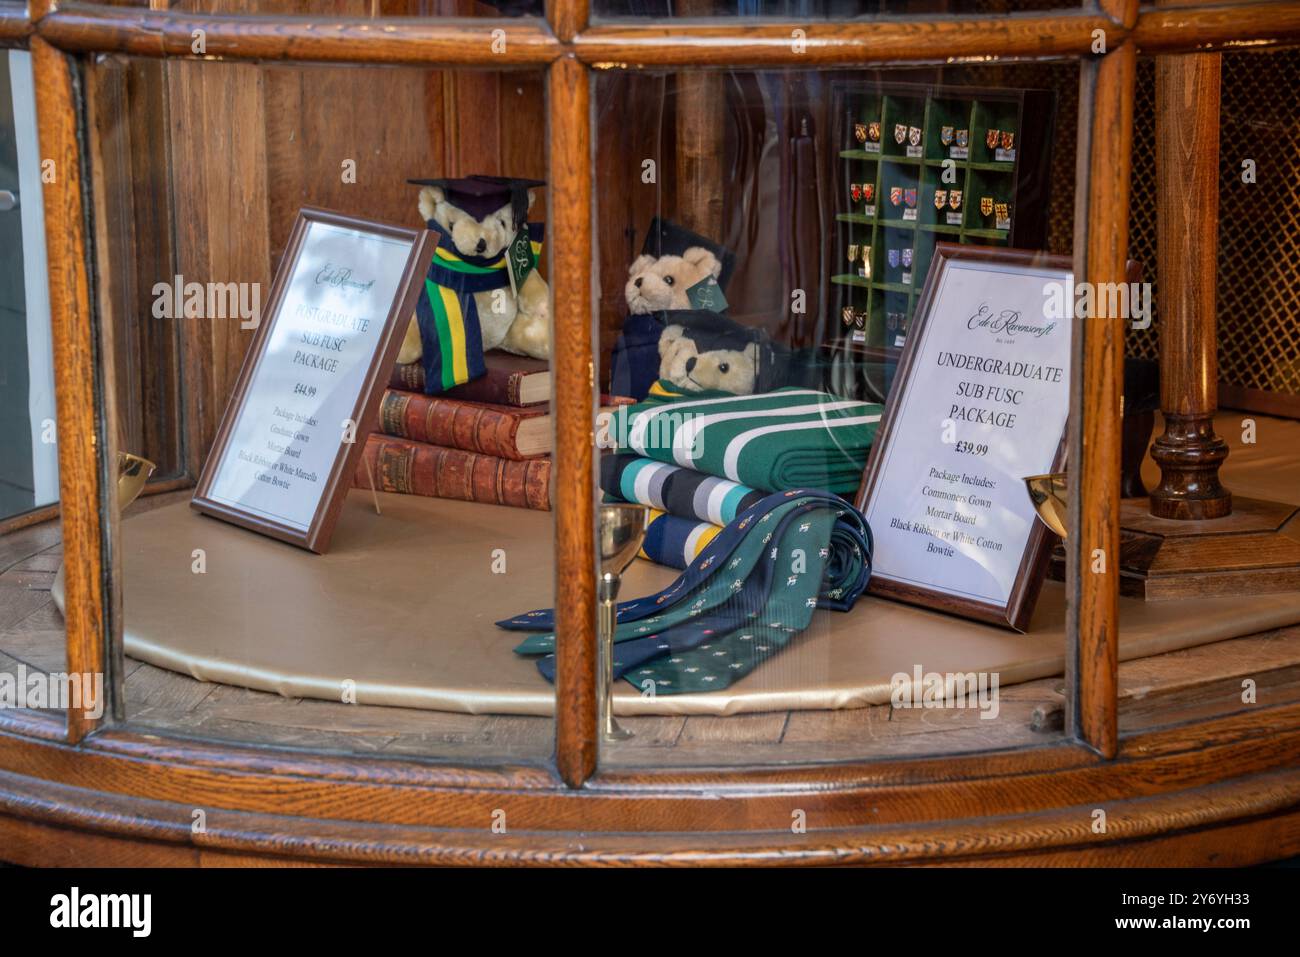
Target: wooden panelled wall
275	139
201	167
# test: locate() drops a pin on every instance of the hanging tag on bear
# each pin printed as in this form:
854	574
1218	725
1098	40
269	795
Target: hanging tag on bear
707	294
519	259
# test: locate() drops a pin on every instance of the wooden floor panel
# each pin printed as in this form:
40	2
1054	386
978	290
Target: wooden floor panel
1166	689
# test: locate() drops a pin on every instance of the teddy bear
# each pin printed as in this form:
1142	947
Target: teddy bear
678	271
717	369
662	283
479	219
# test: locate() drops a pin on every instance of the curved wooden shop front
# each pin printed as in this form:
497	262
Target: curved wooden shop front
263	703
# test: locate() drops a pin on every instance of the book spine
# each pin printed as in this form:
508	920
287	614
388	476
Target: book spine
496	385
414	468
408	377
450	423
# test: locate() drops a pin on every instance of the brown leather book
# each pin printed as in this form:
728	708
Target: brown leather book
509	380
416	468
508	432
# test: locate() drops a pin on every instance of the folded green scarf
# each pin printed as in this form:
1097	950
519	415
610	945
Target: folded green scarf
790	438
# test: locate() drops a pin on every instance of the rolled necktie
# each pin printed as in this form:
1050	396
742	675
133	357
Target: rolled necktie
678	491
675	542
739	603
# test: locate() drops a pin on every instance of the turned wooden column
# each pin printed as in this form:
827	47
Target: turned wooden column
1189	452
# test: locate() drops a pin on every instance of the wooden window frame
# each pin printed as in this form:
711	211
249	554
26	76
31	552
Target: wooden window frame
571	49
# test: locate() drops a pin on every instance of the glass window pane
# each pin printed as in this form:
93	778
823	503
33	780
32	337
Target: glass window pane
821	9
367	8
815	200
386	643
1255	352
29	476
31	629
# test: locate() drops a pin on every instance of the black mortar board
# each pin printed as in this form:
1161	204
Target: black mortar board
666	238
481	195
710	331
518	8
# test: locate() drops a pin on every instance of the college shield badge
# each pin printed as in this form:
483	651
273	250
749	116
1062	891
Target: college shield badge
963	137
991	138
954	199
856	192
909	197
940	197
914	135
893	258
860	132
895	195
986	205
907	258
1008	140
946	134
900	133
868	192
873	132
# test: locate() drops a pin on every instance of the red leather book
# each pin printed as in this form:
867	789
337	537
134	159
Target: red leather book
508	432
509	380
505	431
416	468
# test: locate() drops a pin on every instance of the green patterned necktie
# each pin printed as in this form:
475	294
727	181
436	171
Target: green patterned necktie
740	602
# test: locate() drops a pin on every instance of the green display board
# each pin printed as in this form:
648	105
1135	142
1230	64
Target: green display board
900	152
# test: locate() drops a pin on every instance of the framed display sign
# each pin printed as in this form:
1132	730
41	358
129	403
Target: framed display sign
309	389
980	403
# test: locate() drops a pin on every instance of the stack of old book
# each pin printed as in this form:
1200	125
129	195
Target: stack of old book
488	440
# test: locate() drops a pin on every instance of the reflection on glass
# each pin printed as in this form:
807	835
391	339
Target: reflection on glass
766	241
949	508
371	8
307	381
386	643
28	453
821	9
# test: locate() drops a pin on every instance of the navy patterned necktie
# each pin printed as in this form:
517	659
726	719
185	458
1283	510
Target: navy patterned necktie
739	603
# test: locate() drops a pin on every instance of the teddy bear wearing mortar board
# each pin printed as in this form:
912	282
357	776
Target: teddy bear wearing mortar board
483	290
679	272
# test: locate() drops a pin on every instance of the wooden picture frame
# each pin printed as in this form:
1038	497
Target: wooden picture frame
385	341
1032	567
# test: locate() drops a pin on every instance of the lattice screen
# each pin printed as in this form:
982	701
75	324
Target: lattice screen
1259	224
1142	204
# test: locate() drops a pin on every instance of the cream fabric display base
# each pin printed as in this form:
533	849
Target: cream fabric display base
403	606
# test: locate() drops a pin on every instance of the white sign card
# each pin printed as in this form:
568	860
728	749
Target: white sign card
291	436
980	404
